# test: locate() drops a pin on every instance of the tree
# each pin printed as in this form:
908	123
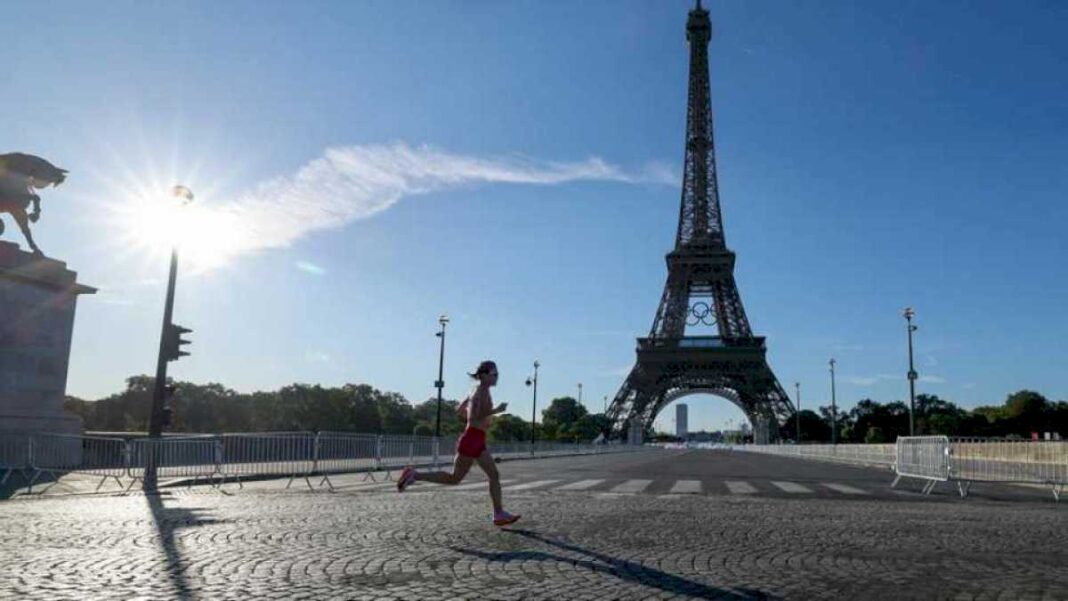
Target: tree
937	416
588	427
562	413
509	428
844	422
874	435
451	422
1025	411
814	429
395	413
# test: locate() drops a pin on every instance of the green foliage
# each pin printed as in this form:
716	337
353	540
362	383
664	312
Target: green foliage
874	435
563	412
215	408
509	428
361	408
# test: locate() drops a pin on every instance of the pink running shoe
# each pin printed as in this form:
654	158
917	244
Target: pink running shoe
407	477
504	518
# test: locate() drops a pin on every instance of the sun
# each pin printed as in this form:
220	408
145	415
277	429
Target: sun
158	217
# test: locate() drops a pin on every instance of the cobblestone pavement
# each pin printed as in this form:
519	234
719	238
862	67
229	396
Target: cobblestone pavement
437	544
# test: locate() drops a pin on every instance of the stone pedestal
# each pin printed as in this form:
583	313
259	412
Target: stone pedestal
37	300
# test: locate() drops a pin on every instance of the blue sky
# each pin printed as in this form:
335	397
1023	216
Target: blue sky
372	165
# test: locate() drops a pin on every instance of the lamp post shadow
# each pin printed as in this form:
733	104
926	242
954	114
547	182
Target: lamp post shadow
620	568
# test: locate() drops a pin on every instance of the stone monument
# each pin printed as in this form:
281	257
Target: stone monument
37	300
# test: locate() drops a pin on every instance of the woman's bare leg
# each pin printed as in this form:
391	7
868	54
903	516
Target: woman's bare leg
485	461
460	467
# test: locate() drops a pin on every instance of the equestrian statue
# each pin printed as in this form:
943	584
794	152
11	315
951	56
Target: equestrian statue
20	174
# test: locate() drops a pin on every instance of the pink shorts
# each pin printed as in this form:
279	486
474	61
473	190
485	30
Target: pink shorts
472	443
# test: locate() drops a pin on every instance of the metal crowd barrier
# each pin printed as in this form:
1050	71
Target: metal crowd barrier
194	458
221	457
1043	462
854	454
266	453
340	452
924	457
53	454
14	454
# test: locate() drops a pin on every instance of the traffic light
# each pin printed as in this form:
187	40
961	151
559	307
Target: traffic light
168	404
172	342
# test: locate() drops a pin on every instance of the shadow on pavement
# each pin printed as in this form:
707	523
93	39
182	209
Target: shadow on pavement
620	568
168	521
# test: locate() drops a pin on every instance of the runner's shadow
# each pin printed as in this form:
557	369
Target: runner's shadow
620	568
168	521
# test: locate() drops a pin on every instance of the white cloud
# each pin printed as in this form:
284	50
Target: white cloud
317	357
933	379
356	182
869	380
311	268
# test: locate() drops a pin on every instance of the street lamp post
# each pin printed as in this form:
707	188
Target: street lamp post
834	409
580	393
170	342
440	383
534	409
797	386
909	314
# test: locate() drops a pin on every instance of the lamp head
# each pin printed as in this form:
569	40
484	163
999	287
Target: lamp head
184	194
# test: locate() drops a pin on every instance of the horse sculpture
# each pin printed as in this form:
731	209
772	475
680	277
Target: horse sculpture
19	175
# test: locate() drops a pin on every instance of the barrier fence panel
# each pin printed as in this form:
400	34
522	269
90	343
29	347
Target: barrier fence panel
924	457
1002	460
346	452
399	450
14	454
269	453
853	454
175	457
244	455
57	454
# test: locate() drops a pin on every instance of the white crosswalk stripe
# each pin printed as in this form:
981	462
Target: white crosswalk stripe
791	487
480	485
632	486
844	488
530	485
686	487
580	485
738	487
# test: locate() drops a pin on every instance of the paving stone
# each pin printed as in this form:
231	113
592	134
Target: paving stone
438	545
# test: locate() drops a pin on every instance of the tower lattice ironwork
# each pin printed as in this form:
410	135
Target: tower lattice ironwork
701	340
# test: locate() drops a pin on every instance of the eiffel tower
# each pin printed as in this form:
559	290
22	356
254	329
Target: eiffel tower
701	341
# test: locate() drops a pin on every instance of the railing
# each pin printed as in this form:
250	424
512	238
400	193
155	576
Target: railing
218	458
855	454
195	458
1043	462
51	454
924	457
14	454
941	459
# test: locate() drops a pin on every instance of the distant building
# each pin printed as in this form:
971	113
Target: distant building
681	425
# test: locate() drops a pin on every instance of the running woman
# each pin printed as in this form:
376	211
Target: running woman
478	409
